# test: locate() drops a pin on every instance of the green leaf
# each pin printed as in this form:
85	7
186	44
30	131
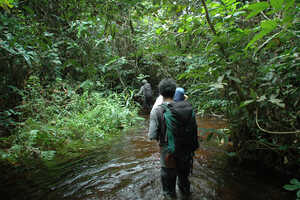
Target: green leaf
236	14
295	182
277	4
217	86
245	103
289	4
288	20
189	19
267	26
27	59
159	30
257	8
209	137
298	194
290	187
253	93
277	102
6	3
47	34
220	79
235	79
180	30
29	10
231	154
283	148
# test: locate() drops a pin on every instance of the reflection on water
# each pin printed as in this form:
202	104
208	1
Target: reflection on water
129	169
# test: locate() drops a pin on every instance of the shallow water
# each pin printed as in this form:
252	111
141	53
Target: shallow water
128	169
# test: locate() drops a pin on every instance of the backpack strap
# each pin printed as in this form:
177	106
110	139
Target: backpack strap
169	124
162	126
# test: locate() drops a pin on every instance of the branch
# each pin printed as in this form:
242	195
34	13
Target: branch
237	87
273	132
208	19
212	26
263	14
265	43
131	26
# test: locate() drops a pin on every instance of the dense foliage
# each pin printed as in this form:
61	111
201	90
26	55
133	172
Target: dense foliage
235	58
61	123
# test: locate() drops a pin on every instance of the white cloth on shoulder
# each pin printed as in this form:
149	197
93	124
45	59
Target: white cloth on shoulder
158	101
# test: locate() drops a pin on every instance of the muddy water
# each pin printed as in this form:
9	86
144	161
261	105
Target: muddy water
128	169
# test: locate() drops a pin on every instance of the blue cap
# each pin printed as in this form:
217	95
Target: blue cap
179	94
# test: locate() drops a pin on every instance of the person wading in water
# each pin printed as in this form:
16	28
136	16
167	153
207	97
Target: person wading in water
173	125
146	93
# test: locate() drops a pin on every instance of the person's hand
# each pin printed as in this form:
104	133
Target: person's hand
186	97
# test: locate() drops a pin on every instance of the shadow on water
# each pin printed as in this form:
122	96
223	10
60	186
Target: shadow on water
129	168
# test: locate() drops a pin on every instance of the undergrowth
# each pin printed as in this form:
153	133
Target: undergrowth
64	124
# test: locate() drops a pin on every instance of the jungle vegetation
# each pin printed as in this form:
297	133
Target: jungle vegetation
68	66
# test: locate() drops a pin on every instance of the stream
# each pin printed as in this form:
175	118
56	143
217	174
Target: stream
128	169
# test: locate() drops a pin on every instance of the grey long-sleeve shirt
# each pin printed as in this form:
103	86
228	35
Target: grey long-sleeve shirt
153	133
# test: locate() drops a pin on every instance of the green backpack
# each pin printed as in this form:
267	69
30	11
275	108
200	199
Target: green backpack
181	127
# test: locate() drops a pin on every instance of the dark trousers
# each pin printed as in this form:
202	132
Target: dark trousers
168	179
147	102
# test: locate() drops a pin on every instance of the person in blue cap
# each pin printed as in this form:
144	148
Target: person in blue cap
179	95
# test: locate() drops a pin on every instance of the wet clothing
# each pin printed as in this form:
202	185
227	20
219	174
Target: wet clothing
146	92
168	179
171	167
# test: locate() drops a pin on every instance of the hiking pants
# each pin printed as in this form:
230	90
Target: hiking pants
168	179
147	102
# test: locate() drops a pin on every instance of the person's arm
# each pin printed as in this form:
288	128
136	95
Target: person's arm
153	125
140	92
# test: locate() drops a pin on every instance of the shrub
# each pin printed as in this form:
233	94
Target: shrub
62	124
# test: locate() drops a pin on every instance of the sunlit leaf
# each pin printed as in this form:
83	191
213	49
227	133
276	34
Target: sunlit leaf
159	30
220	79
217	86
257	8
245	103
267	26
180	30
289	3
277	102
262	98
189	19
277	4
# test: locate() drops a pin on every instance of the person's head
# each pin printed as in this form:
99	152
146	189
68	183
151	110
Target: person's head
167	88
179	94
144	81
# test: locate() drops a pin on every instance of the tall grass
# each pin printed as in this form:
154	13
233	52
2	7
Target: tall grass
67	124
